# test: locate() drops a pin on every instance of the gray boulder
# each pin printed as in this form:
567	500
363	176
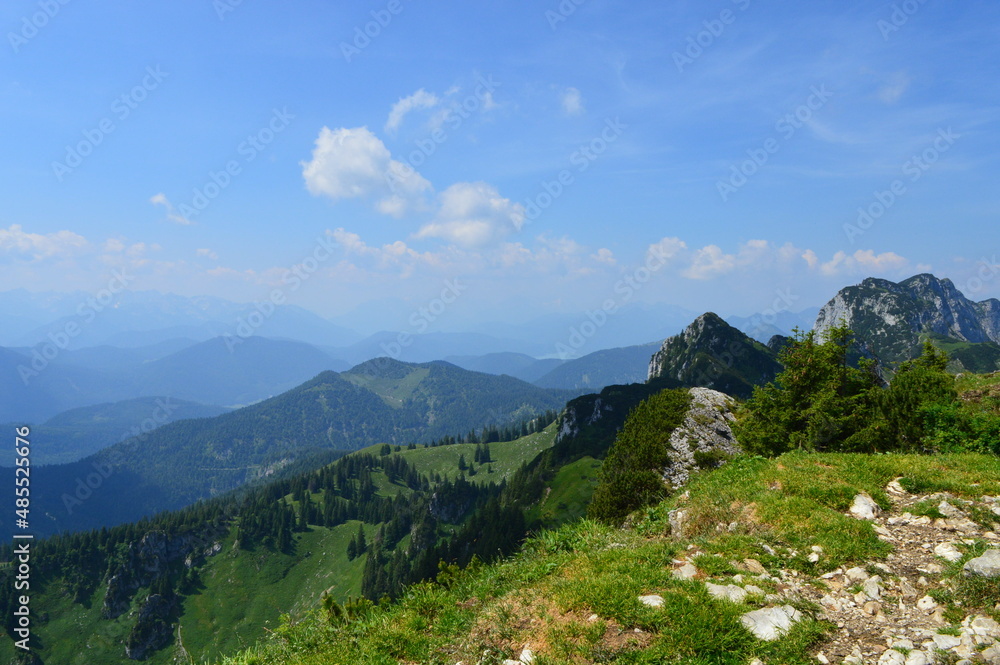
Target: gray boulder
987	565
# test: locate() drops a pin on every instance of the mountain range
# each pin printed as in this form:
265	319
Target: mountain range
380	401
288	526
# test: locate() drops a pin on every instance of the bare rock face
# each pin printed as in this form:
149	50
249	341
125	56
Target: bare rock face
152	629
705	439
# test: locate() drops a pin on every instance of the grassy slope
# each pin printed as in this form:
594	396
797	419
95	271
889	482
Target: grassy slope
508	456
243	595
545	596
569	493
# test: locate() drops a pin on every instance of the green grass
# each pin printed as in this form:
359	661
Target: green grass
242	596
244	593
508	456
393	392
543	598
545	595
569	493
799	500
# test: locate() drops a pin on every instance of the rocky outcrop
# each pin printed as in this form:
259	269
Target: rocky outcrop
710	353
152	628
889	317
147	560
705	439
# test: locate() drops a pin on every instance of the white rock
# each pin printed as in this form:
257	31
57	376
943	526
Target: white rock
771	623
894	487
946	642
984	626
900	645
949	510
831	603
856	574
884	534
652	600
892	657
926	604
730	592
864	507
991	655
526	657
916	658
872	588
821	657
813	557
750	588
948	552
685	572
987	565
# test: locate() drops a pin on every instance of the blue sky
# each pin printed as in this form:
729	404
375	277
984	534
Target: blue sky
714	153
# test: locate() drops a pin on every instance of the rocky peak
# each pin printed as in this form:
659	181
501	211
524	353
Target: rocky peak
890	317
711	353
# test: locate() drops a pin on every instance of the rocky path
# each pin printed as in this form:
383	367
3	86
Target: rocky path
900	611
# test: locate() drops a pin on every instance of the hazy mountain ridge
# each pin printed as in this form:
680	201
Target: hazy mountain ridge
382	401
217	371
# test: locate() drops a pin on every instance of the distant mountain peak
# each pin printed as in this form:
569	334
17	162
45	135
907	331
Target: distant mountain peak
710	353
891	317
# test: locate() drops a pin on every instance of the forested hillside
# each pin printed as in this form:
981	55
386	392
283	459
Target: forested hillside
382	401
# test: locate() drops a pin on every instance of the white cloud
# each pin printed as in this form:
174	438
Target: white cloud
35	246
207	253
114	245
605	256
863	261
354	163
572	101
172	214
474	214
708	262
421	99
666	249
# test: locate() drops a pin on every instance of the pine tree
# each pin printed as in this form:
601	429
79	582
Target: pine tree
361	544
